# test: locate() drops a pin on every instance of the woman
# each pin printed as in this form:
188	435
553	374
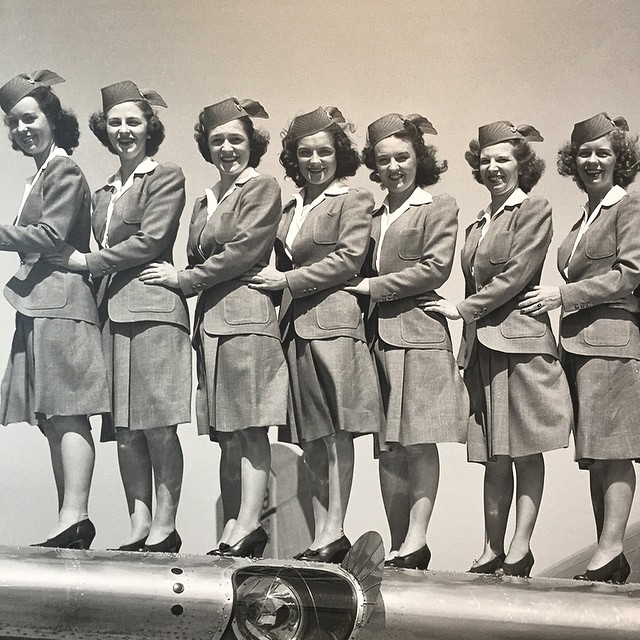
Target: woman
242	374
519	396
411	253
56	375
321	244
146	333
600	263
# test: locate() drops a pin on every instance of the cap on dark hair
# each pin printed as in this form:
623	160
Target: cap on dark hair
231	109
127	91
394	123
503	131
315	121
596	127
23	84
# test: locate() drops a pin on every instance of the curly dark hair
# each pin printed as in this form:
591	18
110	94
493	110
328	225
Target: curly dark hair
63	123
625	147
530	166
428	170
347	157
258	140
155	128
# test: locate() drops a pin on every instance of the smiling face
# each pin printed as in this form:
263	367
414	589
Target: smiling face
317	159
396	164
596	163
127	132
230	148
30	129
499	170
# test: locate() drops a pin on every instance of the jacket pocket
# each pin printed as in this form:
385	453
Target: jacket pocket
418	327
410	244
326	229
518	325
600	246
607	332
224	227
132	213
151	298
245	306
338	311
500	248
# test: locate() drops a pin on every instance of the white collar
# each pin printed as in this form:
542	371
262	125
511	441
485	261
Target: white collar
54	152
336	188
614	195
146	166
516	198
213	203
418	197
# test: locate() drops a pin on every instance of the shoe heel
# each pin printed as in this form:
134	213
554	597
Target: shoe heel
258	549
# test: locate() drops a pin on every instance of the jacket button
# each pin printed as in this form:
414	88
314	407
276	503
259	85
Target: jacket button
479	287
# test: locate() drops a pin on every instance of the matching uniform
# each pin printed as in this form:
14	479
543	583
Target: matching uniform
519	395
322	247
56	366
146	328
410	256
242	374
599	337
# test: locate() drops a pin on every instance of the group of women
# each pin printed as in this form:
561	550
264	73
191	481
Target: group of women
360	343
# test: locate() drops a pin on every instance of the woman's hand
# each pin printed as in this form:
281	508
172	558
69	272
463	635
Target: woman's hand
267	279
361	288
161	273
540	299
69	258
443	307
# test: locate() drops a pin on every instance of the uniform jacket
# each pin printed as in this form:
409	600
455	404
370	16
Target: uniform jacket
328	251
415	259
238	236
599	308
142	230
56	211
508	262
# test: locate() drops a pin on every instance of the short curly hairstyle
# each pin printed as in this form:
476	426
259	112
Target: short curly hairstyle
155	128
530	166
625	147
258	140
347	157
63	123
428	170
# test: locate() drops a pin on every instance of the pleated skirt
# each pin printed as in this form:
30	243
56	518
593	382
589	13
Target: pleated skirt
334	388
242	382
606	395
56	368
424	397
520	405
149	366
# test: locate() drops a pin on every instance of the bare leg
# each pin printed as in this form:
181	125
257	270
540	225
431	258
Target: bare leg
54	440
230	481
498	493
339	448
530	482
317	467
596	488
619	486
255	465
74	452
135	470
167	464
394	484
424	473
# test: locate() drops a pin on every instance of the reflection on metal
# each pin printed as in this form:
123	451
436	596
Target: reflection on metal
577	563
455	606
63	594
84	595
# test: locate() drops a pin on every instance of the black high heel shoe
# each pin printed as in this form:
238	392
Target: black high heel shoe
416	560
616	571
521	569
251	546
171	544
219	550
334	552
489	567
138	545
78	536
